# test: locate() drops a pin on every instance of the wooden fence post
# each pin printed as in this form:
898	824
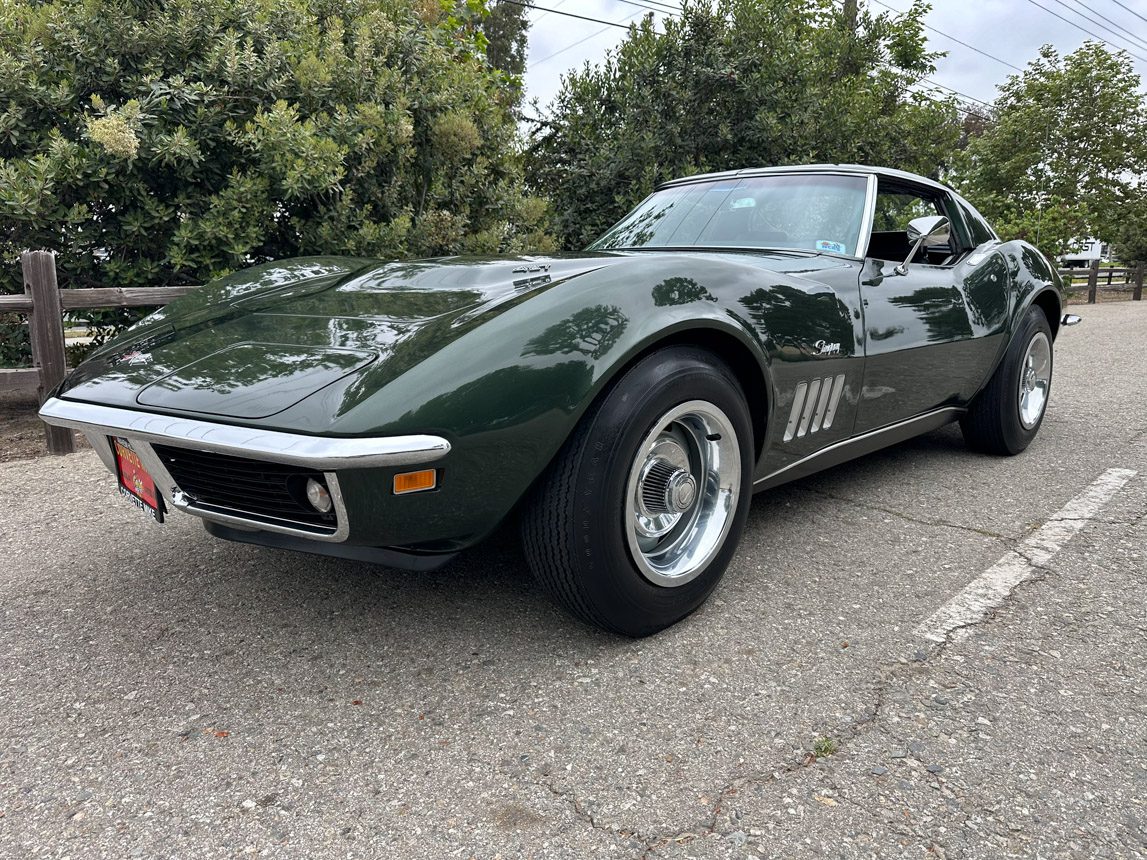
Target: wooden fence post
46	326
1092	281
1137	294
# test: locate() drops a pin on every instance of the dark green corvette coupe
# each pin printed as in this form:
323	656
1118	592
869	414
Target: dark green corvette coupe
735	331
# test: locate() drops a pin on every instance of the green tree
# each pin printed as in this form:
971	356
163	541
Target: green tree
738	83
153	142
1062	150
1129	239
507	29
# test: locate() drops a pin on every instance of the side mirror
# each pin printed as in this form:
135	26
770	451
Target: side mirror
920	230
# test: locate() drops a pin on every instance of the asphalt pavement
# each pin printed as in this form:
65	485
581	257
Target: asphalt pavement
163	694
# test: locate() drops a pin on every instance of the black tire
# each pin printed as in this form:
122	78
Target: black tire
993	423
574	528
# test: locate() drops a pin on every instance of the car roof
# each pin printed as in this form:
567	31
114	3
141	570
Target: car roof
864	169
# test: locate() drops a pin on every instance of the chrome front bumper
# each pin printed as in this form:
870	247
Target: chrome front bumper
321	454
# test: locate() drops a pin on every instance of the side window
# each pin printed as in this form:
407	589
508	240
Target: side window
895	207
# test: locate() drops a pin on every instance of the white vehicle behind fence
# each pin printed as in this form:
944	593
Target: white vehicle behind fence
1085	252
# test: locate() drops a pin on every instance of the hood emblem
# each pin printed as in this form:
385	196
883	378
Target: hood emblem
530	268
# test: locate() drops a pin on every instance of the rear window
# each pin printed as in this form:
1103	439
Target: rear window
977	226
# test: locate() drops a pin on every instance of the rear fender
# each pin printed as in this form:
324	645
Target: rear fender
1033	282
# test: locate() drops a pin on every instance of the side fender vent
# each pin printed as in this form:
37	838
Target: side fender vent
814	406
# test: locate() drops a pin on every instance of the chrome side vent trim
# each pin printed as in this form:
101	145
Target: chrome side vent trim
821	406
809	405
837	390
795	415
814	406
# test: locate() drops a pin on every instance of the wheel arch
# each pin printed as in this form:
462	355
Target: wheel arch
740	359
747	366
1034	282
1048	301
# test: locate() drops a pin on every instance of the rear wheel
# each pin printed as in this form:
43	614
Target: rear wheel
1006	415
641	512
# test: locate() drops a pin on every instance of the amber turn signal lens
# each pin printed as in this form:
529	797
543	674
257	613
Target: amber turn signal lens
414	482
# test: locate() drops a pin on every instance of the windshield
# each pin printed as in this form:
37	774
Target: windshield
808	212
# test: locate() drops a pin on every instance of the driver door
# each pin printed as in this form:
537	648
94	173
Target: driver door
917	327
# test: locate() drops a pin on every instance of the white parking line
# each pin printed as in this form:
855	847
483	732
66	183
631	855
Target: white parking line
991	588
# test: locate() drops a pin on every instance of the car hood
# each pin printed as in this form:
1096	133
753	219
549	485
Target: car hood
258	342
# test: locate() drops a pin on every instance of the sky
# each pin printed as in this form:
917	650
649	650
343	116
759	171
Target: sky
1011	30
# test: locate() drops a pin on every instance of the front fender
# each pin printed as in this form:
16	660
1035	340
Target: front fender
509	393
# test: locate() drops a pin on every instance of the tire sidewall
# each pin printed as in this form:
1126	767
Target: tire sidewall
1016	435
607	570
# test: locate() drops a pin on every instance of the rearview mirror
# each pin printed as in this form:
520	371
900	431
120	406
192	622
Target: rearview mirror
934	229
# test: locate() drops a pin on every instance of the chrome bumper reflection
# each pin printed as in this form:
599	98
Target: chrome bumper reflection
312	452
316	452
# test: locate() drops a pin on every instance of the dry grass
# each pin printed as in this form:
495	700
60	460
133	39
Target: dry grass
1079	297
21	430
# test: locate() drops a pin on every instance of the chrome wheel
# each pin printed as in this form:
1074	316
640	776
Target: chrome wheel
682	493
1035	380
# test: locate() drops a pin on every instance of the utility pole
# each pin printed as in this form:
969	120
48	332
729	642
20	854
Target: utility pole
850	12
849	15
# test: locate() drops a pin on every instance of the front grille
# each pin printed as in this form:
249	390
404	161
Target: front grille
270	493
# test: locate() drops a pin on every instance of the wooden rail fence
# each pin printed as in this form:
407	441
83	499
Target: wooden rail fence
1109	277
45	303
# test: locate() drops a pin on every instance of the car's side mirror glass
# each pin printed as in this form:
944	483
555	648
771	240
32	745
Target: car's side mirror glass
934	229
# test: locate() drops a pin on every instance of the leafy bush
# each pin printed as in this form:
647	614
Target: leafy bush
154	143
15	347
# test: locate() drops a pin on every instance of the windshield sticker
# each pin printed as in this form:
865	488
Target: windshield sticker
744	203
826	245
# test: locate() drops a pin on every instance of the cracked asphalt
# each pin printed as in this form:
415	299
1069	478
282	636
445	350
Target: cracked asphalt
166	695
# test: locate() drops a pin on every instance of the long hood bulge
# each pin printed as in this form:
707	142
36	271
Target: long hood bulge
251	380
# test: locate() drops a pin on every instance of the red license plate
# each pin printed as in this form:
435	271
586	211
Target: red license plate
134	481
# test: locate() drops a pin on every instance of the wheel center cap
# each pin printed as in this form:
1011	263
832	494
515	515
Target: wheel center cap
666	490
681	492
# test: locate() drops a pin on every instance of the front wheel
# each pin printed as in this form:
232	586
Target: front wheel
1006	415
640	513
